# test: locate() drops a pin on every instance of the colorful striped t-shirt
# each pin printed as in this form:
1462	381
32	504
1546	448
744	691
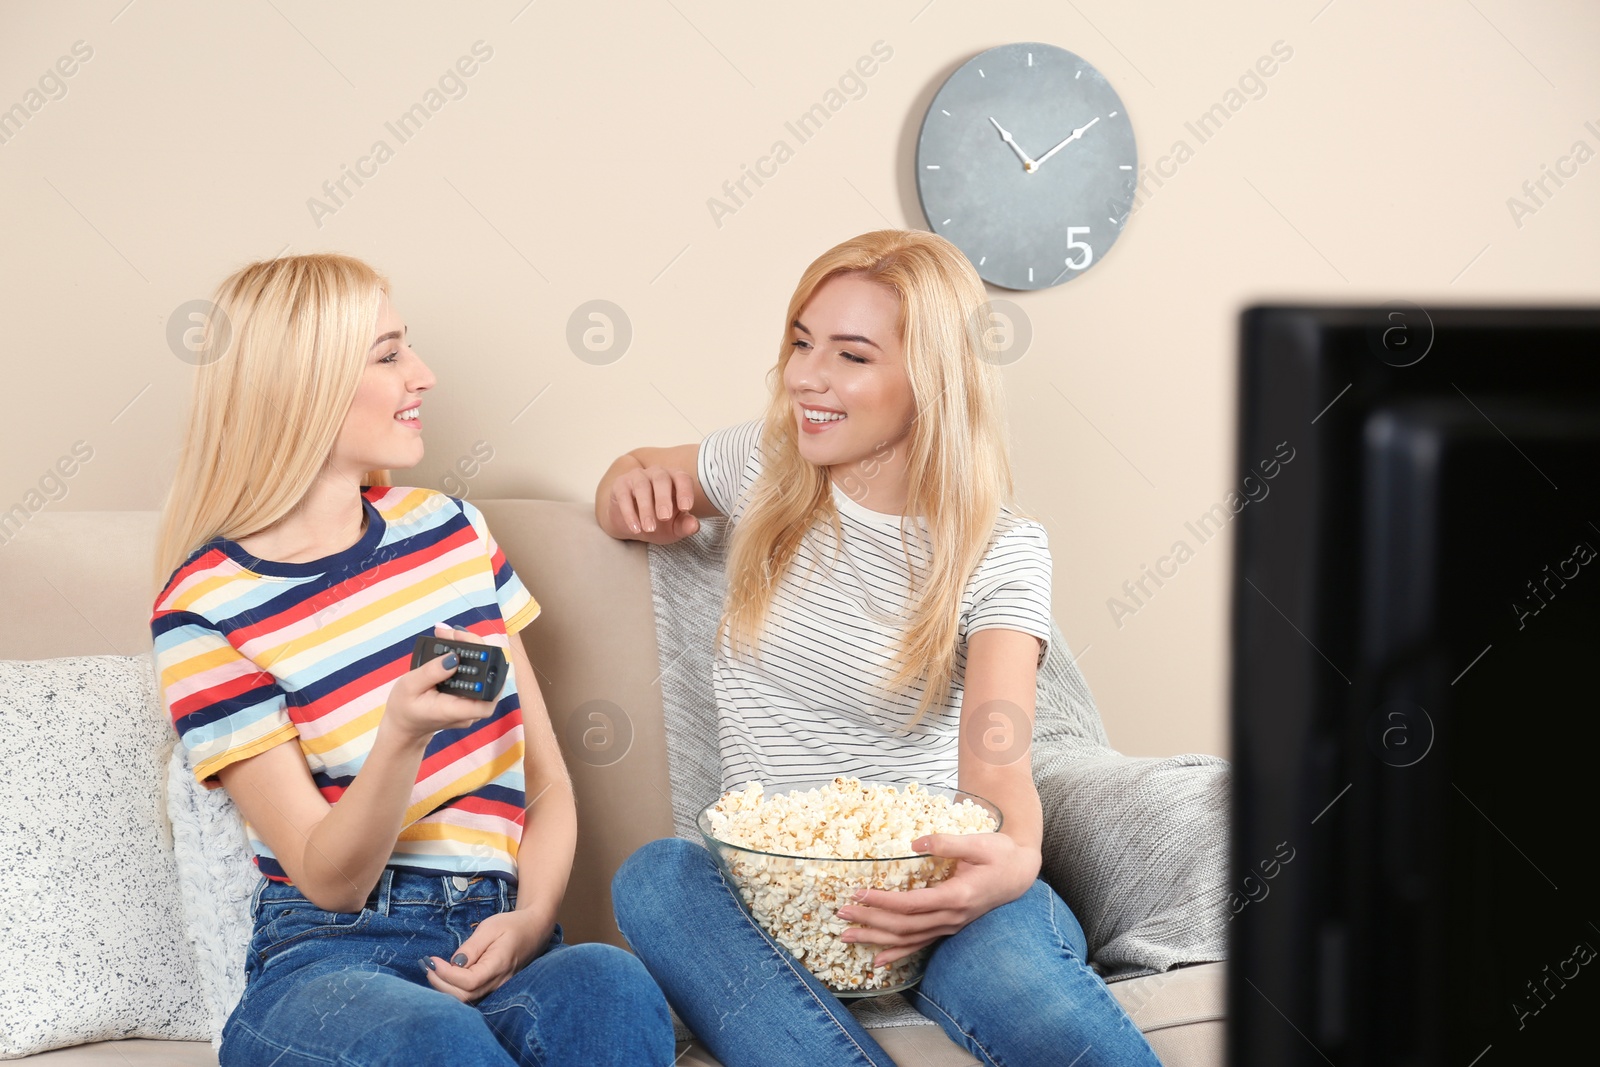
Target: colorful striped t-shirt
252	653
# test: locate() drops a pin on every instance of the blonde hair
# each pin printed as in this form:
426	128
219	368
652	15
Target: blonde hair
959	469
280	359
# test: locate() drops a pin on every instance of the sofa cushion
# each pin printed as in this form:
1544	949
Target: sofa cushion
1138	848
131	1052
217	878
89	907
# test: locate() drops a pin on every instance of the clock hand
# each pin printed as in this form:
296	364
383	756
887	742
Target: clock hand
1027	164
1077	133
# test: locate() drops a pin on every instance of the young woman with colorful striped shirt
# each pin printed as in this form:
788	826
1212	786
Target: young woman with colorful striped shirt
414	845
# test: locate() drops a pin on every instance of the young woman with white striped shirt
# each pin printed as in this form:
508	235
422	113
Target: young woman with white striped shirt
883	594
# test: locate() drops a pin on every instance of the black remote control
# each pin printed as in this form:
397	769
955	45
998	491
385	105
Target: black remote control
480	669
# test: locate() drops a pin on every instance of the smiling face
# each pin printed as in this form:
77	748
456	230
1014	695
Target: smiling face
847	368
383	429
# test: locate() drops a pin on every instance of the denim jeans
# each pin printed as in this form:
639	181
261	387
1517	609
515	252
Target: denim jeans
1012	987
349	988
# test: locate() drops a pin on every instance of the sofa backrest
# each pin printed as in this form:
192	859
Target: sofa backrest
77	583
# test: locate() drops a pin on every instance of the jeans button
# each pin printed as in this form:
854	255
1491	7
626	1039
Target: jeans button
459	882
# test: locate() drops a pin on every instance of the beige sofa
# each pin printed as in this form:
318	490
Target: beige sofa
76	584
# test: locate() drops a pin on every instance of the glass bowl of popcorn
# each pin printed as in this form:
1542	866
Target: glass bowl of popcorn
796	856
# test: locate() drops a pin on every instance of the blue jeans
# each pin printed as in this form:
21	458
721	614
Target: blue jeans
1012	987
349	988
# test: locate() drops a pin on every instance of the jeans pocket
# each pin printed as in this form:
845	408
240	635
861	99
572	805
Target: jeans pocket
283	923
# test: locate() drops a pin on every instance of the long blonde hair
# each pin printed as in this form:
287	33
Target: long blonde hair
279	361
959	469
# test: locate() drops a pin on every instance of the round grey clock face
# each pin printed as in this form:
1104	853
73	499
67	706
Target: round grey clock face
1027	163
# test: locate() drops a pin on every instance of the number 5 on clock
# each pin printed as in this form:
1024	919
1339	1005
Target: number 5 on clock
1088	252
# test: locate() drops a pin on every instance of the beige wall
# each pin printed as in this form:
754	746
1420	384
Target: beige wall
1377	164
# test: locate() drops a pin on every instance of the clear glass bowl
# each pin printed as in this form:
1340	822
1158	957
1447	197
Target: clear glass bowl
794	898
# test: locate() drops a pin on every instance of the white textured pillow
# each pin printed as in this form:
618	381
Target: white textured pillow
218	876
92	939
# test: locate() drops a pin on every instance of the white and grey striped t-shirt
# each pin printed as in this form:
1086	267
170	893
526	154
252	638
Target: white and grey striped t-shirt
814	706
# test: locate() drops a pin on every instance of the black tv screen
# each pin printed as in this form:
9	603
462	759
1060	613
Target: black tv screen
1416	687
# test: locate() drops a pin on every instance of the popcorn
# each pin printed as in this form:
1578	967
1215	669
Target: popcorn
835	839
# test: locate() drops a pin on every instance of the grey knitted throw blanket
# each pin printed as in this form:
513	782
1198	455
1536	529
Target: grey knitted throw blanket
1136	847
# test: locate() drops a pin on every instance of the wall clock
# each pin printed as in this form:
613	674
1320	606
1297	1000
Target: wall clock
1027	163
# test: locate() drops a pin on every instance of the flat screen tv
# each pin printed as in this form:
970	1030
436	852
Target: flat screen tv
1415	688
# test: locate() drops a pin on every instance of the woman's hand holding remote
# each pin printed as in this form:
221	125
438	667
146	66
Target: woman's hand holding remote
416	710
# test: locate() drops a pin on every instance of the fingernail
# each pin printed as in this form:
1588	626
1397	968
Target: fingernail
449	660
861	894
459	959
426	962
